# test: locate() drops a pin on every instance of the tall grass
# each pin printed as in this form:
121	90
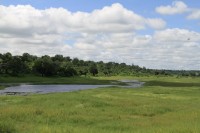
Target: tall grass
153	108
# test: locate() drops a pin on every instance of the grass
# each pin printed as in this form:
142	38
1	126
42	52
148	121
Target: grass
53	80
161	106
2	87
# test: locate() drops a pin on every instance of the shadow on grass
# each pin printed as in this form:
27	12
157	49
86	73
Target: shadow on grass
171	84
52	80
7	128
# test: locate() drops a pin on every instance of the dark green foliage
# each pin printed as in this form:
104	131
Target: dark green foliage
59	58
45	66
69	71
16	65
82	70
75	62
66	69
93	69
5	60
28	61
59	65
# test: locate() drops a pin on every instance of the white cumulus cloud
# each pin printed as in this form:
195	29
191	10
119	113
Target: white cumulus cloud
177	7
108	34
195	14
156	23
25	27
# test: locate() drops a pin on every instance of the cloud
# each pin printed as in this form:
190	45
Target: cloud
108	34
177	35
27	26
168	49
177	7
195	14
179	47
26	20
156	23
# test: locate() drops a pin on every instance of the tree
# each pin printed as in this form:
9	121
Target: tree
26	57
69	71
1	63
83	70
45	66
16	66
67	59
93	69
75	62
59	58
108	68
6	58
66	69
64	66
28	62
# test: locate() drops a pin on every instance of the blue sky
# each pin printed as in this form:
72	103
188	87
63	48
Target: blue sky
142	32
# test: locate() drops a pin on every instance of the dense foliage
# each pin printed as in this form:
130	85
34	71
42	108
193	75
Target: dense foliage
59	65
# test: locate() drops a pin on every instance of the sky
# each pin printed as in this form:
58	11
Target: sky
156	34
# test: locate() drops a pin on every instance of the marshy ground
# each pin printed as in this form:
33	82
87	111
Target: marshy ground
162	105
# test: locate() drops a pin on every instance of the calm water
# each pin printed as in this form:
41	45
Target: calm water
26	89
42	89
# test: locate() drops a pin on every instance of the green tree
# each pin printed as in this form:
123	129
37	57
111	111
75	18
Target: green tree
16	66
59	58
83	70
67	69
93	69
28	62
75	62
6	58
45	66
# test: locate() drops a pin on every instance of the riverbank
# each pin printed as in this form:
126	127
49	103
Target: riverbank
53	80
2	87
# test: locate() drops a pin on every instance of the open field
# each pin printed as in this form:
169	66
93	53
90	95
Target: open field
163	105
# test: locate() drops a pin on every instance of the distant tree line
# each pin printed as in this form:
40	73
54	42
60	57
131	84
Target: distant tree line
59	65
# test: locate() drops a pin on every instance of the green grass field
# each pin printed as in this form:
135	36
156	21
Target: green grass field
163	105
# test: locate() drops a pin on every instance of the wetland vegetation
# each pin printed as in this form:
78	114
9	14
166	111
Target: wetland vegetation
156	107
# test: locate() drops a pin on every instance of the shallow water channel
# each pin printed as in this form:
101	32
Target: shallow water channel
42	89
25	89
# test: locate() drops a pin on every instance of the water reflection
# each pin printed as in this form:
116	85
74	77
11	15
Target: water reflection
27	89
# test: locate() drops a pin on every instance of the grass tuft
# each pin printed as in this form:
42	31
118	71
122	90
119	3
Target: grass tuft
7	127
